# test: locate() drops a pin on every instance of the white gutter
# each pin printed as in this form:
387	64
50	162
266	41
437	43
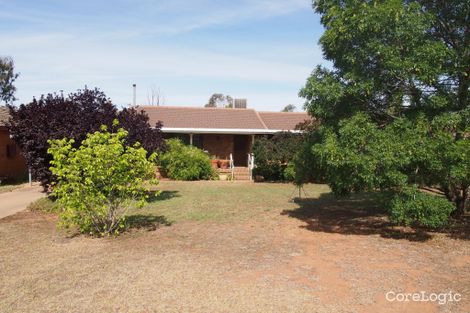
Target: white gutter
241	131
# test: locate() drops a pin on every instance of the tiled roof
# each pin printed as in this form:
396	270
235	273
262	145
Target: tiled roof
283	120
194	117
4	115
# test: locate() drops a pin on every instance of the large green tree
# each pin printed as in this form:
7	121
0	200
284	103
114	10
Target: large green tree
395	106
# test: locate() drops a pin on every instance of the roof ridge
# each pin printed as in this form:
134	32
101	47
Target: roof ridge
304	112
261	120
192	107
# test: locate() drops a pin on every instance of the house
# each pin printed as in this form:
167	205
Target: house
12	162
222	131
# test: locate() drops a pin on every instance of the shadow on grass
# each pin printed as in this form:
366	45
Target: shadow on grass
459	229
146	222
358	215
163	195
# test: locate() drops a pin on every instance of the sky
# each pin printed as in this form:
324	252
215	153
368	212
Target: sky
261	50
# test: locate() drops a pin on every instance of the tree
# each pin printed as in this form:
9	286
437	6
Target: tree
155	97
396	103
55	117
289	108
220	100
98	181
139	130
7	78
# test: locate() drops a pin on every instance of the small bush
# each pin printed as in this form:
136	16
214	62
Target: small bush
415	207
289	172
99	181
182	162
273	156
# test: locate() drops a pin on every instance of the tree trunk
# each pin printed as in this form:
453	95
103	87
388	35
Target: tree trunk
460	196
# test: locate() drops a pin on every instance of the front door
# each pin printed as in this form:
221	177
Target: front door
240	149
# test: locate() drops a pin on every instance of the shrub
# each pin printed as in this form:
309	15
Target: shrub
272	156
415	207
289	172
182	162
99	181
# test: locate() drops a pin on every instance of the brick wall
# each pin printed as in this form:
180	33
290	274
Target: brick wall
218	145
12	163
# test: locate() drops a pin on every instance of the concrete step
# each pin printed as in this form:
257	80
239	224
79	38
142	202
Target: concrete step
235	170
243	176
239	172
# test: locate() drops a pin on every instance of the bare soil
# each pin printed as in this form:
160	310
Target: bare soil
310	256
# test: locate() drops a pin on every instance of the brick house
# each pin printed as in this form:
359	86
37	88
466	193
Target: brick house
222	132
12	162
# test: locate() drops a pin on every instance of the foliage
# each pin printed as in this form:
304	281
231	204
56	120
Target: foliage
100	180
289	108
289	172
182	162
363	157
219	100
415	207
56	117
395	108
7	78
272	156
139	130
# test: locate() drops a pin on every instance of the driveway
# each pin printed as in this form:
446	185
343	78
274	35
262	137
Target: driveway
18	199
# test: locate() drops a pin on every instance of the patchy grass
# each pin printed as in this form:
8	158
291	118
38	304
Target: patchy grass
44	205
222	201
10	187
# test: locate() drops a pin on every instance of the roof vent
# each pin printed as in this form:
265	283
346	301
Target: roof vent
240	103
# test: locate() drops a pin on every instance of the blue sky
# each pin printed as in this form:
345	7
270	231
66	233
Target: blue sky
262	50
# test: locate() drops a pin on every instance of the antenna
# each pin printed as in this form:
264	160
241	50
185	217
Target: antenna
134	86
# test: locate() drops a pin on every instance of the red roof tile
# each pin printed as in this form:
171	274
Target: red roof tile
283	120
194	117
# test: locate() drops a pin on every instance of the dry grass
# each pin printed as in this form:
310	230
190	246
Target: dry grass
232	247
9	187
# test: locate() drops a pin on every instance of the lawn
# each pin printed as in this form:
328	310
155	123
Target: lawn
222	201
233	247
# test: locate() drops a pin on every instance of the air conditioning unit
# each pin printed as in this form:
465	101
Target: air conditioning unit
239	103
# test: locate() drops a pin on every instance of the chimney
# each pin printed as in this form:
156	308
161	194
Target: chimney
134	86
239	103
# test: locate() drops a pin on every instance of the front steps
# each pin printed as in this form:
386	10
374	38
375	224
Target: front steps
239	173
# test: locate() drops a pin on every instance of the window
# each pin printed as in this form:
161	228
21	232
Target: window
11	151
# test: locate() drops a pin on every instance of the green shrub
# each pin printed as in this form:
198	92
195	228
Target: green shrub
273	155
99	181
415	207
182	162
289	172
